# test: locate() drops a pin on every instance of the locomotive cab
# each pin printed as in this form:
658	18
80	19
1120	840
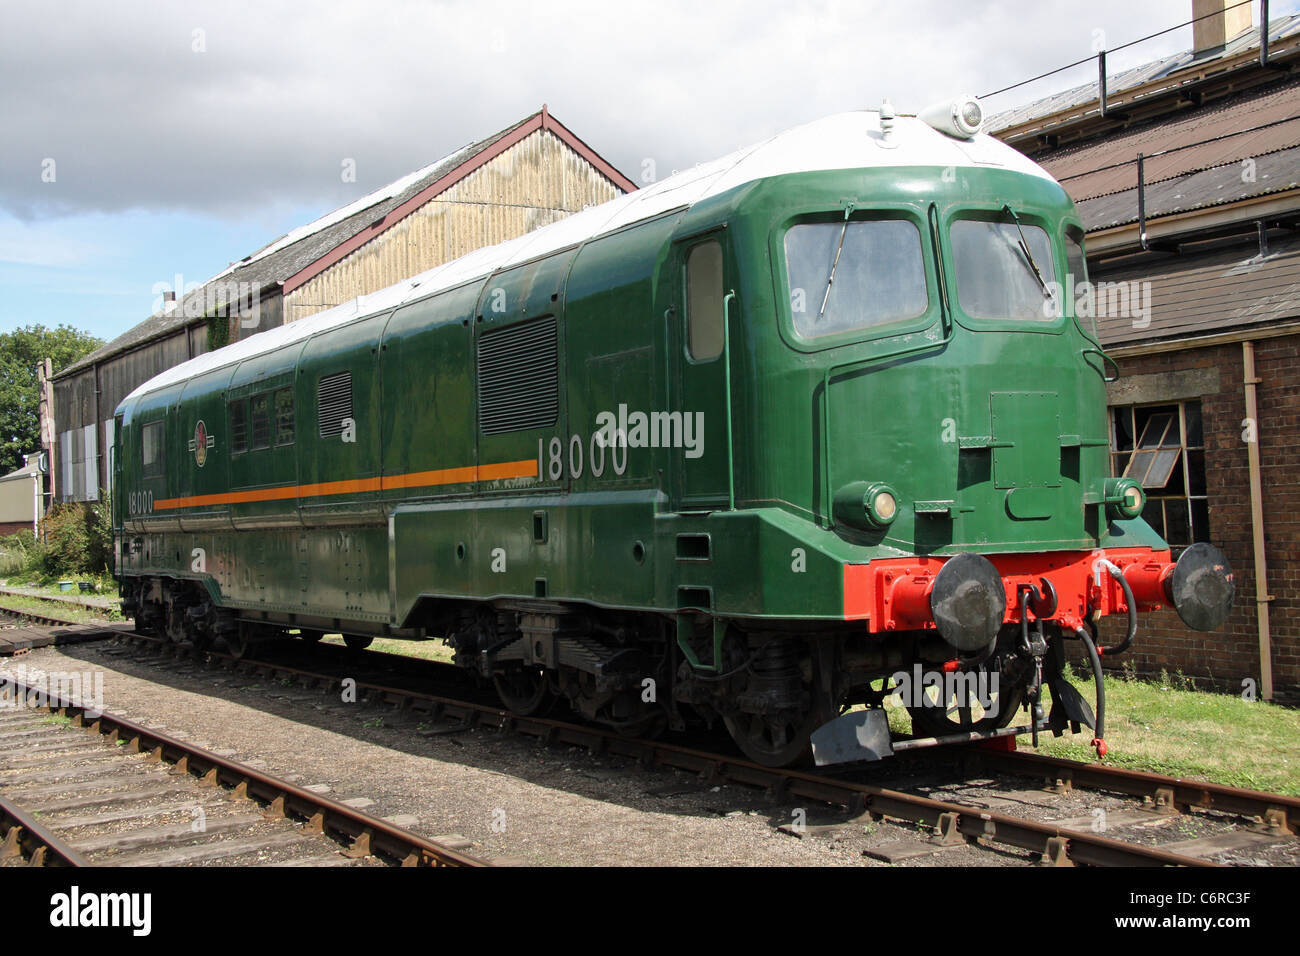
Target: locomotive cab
956	443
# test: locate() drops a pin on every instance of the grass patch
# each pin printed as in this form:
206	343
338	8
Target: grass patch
65	611
1161	727
428	649
57	720
105	584
1167	726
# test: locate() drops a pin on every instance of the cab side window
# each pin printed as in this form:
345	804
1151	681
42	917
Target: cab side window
260	408
704	310
151	445
1077	266
283	417
239	426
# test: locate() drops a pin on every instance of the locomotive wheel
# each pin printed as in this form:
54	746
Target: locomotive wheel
773	670
774	740
944	713
311	637
357	642
649	727
523	690
177	633
238	642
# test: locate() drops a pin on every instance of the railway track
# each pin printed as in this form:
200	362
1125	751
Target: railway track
952	822
24	840
79	787
70	598
47	620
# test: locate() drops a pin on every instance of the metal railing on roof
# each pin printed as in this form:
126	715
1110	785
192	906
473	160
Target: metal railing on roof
1141	159
1100	56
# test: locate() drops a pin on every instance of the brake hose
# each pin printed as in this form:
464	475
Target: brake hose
1094	656
1113	649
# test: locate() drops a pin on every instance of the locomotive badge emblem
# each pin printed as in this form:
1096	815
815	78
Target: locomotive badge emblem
200	443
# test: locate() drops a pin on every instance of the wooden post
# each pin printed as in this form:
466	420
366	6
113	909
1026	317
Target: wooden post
1262	597
44	372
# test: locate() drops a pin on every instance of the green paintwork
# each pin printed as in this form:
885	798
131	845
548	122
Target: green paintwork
993	434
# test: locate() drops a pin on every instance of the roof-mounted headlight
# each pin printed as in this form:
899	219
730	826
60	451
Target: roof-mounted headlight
961	118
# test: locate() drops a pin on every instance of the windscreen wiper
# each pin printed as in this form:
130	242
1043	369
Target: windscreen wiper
1029	256
835	262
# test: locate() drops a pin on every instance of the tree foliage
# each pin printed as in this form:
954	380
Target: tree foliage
21	351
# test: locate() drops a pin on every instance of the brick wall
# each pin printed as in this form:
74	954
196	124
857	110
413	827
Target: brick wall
1229	655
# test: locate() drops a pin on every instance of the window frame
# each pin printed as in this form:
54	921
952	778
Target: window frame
157	468
688	253
1072	231
275	417
242	403
1183	464
900	329
843	230
992	212
252	422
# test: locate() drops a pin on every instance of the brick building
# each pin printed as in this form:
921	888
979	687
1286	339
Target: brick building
1186	173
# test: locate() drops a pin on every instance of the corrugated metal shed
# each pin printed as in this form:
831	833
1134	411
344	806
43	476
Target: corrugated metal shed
289	255
539	180
556	174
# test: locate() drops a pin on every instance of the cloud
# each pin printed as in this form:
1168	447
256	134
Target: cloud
225	109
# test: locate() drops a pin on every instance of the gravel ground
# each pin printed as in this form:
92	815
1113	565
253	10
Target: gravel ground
505	794
513	799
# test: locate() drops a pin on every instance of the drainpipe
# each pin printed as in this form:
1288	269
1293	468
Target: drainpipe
1262	597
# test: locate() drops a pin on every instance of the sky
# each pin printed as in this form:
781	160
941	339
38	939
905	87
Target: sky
148	144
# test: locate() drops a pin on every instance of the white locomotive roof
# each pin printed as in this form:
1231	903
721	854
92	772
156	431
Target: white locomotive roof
851	140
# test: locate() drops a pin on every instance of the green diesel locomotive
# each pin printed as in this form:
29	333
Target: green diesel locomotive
758	444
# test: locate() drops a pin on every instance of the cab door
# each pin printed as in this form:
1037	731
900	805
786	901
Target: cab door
699	452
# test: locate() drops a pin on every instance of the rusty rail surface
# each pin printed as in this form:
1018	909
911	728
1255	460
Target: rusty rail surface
26	839
28	615
1278	812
